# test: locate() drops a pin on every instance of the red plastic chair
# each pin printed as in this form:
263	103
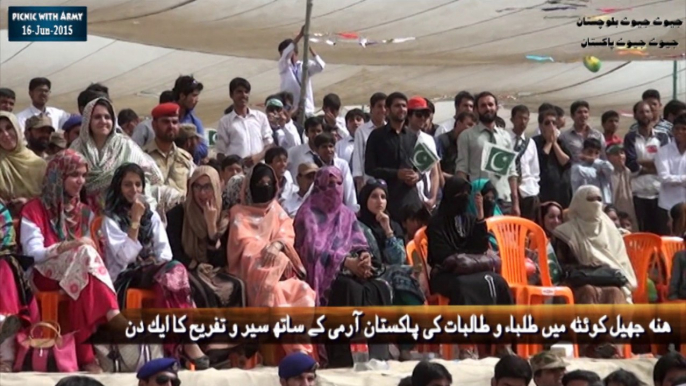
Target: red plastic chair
641	247
670	246
419	247
136	297
512	235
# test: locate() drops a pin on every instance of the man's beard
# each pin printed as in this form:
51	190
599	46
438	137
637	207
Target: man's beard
487	118
38	144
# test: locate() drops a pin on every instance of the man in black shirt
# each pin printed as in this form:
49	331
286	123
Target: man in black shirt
447	142
388	153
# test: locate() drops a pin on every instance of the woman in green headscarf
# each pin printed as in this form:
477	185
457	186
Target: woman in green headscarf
487	190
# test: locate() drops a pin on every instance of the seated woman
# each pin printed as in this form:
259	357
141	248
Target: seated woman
55	231
137	250
590	243
551	217
677	282
18	307
261	250
463	268
385	239
198	236
21	170
340	267
105	148
489	195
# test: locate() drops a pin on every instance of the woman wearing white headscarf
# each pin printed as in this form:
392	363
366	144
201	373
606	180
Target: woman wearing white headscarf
591	251
105	149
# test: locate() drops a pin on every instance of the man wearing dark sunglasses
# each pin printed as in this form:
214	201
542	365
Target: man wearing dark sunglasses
159	372
298	369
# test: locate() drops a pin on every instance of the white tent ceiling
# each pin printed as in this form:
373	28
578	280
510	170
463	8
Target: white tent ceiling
139	47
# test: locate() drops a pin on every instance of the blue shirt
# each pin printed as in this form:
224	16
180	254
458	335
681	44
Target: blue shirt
201	150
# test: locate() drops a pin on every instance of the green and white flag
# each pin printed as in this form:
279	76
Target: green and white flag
211	136
496	159
423	158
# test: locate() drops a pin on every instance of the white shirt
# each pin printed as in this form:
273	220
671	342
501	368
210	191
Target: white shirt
291	76
445	127
57	116
299	155
293	202
120	250
344	149
529	168
361	137
341	127
288	187
349	192
243	136
33	241
288	136
671	169
424	183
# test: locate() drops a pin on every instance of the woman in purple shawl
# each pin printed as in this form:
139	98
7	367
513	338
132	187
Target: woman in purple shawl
336	255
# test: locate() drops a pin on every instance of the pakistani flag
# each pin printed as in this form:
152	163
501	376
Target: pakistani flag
496	159
423	158
211	137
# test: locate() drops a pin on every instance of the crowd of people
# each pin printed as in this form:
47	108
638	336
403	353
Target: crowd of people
546	368
96	203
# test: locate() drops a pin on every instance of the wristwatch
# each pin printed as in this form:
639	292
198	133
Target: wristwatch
135	225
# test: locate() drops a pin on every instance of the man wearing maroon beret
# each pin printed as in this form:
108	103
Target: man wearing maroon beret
176	164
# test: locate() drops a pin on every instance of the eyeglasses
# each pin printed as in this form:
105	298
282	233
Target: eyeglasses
547	122
164	379
422	114
203	188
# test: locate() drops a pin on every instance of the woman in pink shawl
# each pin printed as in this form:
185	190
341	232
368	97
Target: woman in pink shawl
261	251
336	255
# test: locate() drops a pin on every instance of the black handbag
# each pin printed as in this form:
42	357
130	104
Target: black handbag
596	276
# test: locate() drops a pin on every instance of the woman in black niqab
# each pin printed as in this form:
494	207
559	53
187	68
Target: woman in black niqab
464	269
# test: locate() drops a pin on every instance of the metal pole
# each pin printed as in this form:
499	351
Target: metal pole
674	81
306	65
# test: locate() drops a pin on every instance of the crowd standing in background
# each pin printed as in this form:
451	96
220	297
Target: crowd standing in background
97	202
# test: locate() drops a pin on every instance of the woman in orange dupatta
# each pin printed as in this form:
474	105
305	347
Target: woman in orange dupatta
261	251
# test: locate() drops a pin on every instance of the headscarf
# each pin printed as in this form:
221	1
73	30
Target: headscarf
117	207
118	148
21	170
326	232
544	212
67	214
232	194
451	229
194	233
256	223
593	237
484	186
369	219
257	194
